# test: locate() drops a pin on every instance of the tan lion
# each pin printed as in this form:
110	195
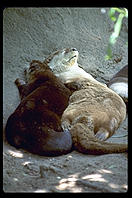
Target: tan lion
94	112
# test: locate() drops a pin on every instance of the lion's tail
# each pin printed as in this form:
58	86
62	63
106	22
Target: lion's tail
88	143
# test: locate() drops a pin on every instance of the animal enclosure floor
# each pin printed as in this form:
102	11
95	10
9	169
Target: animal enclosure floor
74	172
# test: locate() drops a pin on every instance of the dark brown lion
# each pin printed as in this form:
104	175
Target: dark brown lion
35	125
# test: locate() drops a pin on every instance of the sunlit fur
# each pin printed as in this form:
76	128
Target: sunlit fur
65	66
119	83
94	112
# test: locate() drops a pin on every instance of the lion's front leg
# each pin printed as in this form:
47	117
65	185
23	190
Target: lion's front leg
22	87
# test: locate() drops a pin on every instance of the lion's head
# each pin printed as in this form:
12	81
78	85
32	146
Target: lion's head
61	60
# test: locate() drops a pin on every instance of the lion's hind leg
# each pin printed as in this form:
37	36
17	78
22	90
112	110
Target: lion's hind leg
102	134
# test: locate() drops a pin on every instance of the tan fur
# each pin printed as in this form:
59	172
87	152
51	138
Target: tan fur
94	111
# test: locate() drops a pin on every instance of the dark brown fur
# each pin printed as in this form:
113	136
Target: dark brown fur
35	124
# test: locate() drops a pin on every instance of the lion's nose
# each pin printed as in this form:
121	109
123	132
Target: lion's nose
74	49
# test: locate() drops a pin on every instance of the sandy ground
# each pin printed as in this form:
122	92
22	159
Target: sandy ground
33	33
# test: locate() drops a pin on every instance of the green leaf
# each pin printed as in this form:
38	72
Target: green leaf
126	12
118	24
117	27
111	14
109	52
113	18
107	57
112	39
